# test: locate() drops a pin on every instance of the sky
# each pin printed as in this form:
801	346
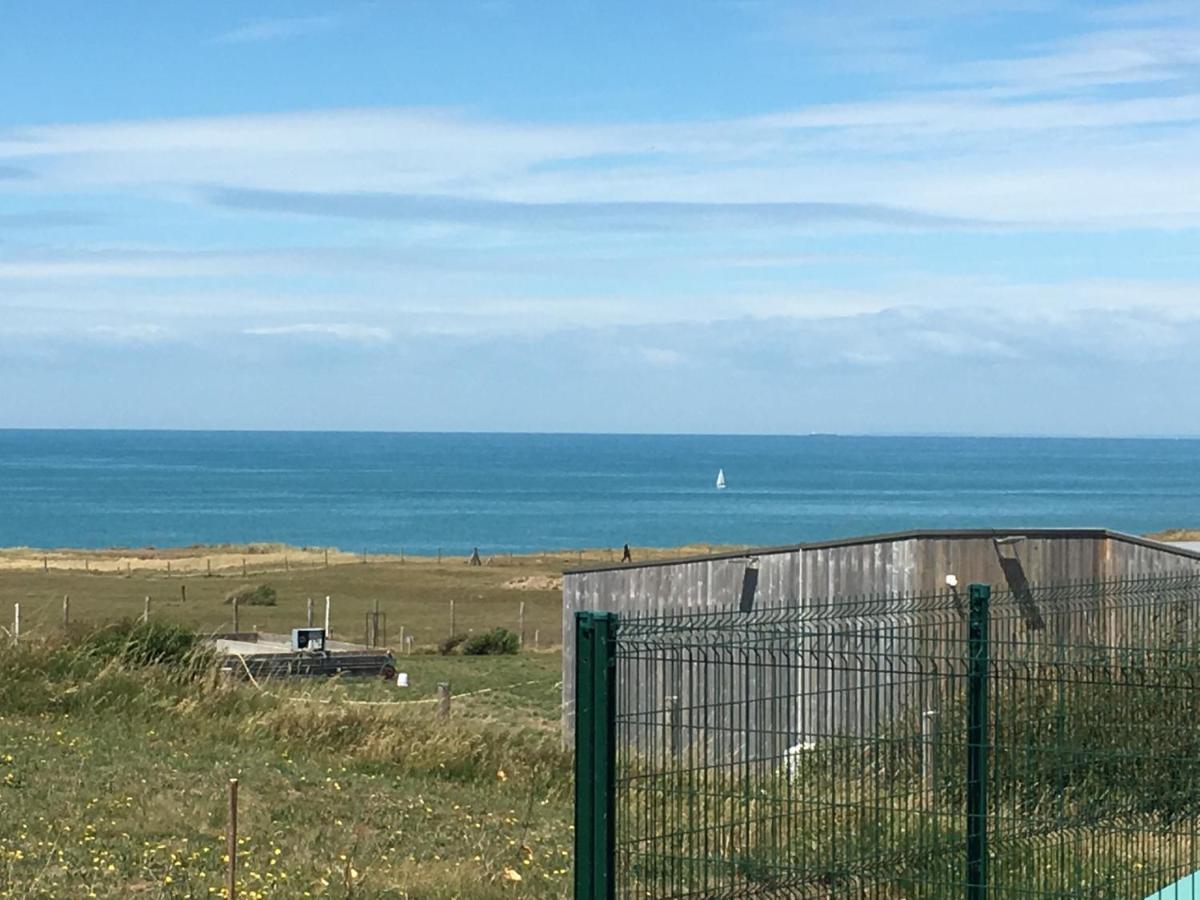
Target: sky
726	216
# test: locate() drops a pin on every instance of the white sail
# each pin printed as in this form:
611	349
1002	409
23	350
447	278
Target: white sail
720	479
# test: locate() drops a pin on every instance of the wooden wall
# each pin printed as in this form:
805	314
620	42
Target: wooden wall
890	566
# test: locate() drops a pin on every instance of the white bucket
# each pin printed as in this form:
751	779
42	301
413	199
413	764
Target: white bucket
401	679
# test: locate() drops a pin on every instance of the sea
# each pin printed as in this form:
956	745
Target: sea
421	493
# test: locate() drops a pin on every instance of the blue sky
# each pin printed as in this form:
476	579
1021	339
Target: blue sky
741	216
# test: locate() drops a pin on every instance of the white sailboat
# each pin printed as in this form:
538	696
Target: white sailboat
720	479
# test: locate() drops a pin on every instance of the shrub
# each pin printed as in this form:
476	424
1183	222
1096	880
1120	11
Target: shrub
497	642
450	644
260	595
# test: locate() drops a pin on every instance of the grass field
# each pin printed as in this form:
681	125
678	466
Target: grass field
113	776
113	781
413	592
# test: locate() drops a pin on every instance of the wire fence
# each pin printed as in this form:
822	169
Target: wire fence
1035	743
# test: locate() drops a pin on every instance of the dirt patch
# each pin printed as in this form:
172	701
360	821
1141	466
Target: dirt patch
535	583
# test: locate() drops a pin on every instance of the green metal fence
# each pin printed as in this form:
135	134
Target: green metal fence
1037	743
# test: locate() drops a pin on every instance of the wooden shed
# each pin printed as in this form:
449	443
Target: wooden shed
905	563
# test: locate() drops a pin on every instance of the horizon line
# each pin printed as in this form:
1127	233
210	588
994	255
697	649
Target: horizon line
586	433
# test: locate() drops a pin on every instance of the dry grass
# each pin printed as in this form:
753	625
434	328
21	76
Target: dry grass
1176	534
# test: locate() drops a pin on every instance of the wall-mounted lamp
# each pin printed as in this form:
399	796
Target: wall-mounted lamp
1011	539
952	581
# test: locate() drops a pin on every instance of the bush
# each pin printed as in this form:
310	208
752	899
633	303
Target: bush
497	642
450	644
261	595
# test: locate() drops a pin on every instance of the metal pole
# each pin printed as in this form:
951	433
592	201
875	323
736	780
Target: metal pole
327	634
595	754
16	622
231	843
977	743
66	611
674	725
930	733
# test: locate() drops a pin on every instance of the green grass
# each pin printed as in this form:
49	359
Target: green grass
113	779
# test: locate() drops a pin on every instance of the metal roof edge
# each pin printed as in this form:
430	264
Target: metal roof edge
912	534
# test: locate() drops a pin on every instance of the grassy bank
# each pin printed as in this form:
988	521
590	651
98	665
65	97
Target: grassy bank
113	778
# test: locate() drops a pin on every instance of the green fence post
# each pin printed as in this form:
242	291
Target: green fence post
977	743
595	755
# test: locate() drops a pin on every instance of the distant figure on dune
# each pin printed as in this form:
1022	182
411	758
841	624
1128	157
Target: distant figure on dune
625	555
475	560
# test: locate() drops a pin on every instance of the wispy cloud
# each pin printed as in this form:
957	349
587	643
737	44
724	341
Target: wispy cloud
342	331
945	154
132	333
15	173
278	29
616	216
48	218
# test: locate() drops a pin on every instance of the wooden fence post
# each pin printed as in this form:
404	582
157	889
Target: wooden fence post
443	703
66	611
452	621
183	593
208	565
521	623
310	613
328	630
536	635
16	635
231	841
146	609
401	637
236	617
243	567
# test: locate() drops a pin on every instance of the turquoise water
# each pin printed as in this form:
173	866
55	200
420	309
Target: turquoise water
509	492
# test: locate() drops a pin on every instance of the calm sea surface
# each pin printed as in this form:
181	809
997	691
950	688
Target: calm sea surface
419	492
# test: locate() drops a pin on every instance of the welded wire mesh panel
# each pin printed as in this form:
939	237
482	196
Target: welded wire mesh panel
799	753
1095	739
821	751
